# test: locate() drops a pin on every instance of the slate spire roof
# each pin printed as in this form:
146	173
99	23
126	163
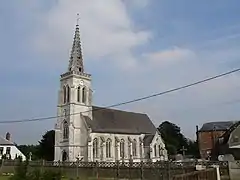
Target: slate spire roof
76	58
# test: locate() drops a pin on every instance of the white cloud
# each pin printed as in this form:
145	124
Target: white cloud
137	3
106	30
169	56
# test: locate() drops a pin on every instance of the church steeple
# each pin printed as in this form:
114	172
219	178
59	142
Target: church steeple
76	59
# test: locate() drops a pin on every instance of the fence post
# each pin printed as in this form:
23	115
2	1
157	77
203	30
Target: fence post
217	171
142	169
77	164
97	175
2	164
42	165
117	169
168	170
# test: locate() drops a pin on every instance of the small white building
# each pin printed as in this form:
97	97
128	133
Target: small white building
9	149
99	134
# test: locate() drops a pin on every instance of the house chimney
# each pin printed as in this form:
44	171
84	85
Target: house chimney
8	136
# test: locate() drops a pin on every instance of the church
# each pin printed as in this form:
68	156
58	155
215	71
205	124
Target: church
89	133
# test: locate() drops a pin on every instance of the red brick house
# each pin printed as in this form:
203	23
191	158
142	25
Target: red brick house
208	135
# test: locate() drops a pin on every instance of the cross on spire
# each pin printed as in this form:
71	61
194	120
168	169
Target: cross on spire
76	59
78	18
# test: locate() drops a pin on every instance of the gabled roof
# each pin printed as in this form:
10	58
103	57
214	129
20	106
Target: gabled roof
217	126
4	141
117	121
226	135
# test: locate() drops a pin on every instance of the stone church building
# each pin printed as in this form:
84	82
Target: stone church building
91	133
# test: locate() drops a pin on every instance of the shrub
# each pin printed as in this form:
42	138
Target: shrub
21	173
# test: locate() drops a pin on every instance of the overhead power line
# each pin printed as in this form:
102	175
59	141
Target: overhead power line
128	102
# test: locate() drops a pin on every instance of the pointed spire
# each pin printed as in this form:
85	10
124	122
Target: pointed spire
76	59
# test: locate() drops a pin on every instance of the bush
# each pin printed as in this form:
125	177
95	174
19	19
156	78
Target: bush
37	174
21	173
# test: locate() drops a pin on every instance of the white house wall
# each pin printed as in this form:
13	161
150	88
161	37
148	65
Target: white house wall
13	152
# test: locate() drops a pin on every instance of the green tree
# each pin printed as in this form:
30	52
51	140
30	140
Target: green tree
173	137
46	146
193	148
175	140
26	149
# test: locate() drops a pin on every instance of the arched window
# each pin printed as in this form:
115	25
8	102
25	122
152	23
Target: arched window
65	130
122	144
140	150
155	150
64	94
78	93
108	148
68	93
84	94
159	150
134	147
95	148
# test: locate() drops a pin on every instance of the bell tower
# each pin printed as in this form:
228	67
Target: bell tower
74	102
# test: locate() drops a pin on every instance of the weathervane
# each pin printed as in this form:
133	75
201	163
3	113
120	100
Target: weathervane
78	18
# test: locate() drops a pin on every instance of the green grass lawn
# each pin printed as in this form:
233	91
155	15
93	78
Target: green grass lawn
4	178
7	177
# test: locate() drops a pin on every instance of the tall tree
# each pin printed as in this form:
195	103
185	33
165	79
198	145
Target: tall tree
46	146
27	149
175	140
193	148
173	137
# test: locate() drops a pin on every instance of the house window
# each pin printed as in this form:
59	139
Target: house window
108	148
8	150
1	150
8	153
122	148
235	139
95	148
155	150
134	147
78	93
65	130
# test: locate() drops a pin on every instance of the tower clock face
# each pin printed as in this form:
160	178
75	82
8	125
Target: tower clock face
81	82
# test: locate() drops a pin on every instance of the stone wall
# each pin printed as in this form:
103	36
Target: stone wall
234	170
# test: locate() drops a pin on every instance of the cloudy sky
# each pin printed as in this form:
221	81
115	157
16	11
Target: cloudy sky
132	48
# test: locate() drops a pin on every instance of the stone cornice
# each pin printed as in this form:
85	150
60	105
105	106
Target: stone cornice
76	74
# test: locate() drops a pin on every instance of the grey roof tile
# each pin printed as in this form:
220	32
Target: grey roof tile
117	121
217	126
4	141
